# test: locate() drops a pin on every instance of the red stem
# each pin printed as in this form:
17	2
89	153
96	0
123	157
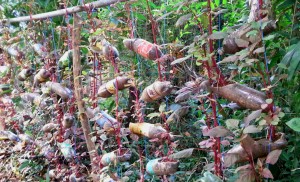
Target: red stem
252	165
269	93
141	165
59	121
139	114
222	82
95	82
129	21
153	26
94	88
260	4
116	70
221	79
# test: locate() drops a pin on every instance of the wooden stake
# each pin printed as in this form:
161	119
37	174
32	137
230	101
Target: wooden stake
78	88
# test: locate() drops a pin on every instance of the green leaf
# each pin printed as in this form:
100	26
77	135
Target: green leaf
251	33
285	4
255	25
269	37
154	114
217	2
282	66
281	114
294	66
47	176
232	67
162	107
264	24
232	123
262	122
152	5
140	16
269	101
84	73
24	165
287	58
294	124
3	71
251	129
84	50
209	177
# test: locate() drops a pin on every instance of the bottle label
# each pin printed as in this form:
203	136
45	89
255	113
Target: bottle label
40	78
152	93
144	48
110	87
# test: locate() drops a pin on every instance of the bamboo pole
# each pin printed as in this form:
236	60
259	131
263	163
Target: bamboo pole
78	87
61	12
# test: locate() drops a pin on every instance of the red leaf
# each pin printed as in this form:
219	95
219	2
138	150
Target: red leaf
225	142
207	143
266	173
203	143
134	137
210	144
245	167
273	156
247	143
205	130
246	175
154	140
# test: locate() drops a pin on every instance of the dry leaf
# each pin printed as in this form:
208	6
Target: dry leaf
229	59
219	131
252	116
164	16
218	35
183	19
220	12
180	60
182	154
259	50
241	43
